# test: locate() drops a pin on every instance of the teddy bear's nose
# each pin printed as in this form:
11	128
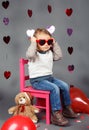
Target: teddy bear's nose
22	101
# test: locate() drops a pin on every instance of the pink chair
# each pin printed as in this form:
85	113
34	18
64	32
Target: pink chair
43	97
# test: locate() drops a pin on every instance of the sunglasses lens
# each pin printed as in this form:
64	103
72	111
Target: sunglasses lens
50	42
41	42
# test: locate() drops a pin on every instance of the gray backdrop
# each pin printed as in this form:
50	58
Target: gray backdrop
15	47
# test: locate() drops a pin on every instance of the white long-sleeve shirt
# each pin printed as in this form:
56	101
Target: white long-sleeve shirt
42	66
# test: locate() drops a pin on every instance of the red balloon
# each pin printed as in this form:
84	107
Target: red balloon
80	102
18	123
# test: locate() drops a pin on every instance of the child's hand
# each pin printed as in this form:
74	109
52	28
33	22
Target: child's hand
33	39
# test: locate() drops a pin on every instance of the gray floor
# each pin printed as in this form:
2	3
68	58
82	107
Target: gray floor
81	123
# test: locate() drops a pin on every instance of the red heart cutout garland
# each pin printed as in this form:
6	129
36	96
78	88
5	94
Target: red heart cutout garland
69	12
29	12
49	8
7	74
71	68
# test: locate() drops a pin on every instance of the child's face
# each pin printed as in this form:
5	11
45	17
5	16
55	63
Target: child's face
46	38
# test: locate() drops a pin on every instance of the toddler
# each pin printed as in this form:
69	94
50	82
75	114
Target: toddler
42	52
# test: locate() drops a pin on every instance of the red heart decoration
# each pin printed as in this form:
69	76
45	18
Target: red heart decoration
6	39
49	8
69	11
71	68
7	74
29	13
70	50
5	4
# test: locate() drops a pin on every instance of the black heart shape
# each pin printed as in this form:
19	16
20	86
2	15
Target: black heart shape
6	39
5	4
70	50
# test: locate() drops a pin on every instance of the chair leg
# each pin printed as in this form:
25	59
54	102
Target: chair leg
47	110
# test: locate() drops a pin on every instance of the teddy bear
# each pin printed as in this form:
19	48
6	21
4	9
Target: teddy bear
24	106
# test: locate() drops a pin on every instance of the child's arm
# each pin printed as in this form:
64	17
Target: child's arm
57	52
31	51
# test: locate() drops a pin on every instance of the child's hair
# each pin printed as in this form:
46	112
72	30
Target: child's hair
41	30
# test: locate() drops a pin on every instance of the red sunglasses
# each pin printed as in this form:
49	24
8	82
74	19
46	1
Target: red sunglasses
43	41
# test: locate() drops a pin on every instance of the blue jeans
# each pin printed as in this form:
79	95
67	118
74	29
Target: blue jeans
56	87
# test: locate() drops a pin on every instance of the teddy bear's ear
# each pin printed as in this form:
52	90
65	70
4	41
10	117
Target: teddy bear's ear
28	95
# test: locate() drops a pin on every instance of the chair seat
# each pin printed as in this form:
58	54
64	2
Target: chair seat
31	89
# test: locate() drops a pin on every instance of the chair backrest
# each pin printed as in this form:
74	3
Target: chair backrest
23	77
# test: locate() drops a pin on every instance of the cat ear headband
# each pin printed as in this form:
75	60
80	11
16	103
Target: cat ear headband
30	32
